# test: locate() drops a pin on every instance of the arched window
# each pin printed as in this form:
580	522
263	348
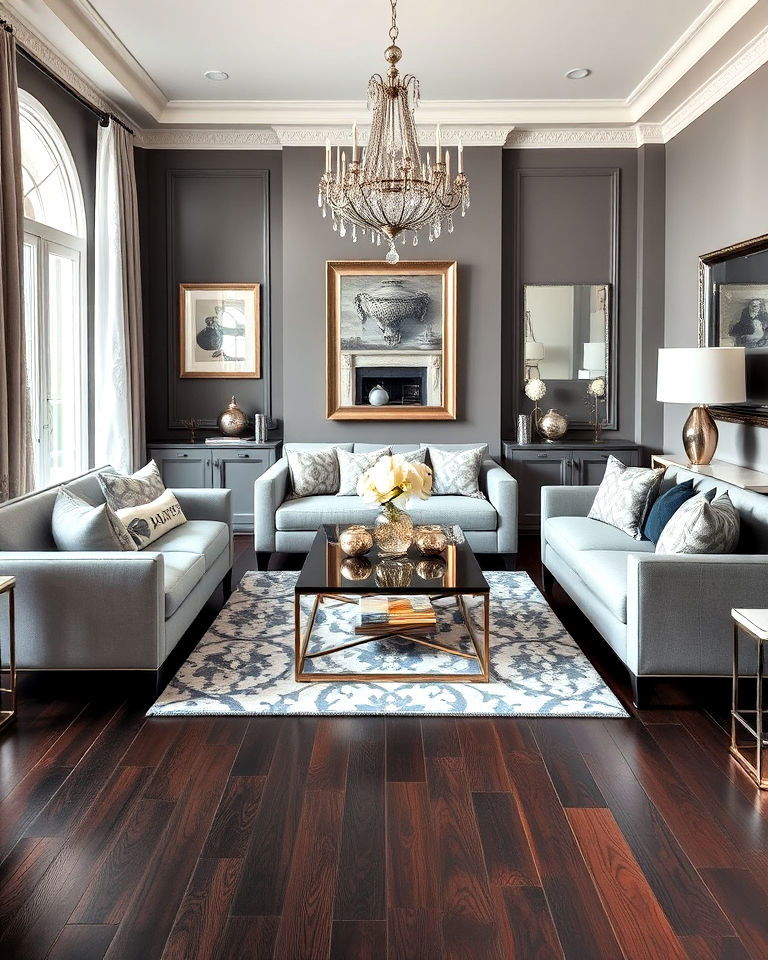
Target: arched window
54	295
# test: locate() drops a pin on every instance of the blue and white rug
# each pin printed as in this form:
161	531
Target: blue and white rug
244	664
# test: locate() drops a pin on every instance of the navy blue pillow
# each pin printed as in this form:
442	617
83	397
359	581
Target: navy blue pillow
667	504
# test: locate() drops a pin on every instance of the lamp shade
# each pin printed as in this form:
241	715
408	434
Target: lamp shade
534	350
699	375
594	356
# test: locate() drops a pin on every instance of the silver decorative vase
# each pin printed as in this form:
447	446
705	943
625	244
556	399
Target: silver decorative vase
524	428
393	531
233	420
552	425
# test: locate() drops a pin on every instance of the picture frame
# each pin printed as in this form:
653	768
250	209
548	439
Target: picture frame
220	330
391	340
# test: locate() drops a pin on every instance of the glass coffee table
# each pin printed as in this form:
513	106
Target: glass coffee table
332	579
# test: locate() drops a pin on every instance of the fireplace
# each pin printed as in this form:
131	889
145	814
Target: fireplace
406	386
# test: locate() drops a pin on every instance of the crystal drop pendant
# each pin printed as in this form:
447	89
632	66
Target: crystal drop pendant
415	239
319	198
450	223
354	233
392	255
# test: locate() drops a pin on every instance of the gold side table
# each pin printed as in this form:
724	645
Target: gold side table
7	585
750	723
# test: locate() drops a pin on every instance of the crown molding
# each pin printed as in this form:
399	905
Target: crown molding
558	138
475	135
163	138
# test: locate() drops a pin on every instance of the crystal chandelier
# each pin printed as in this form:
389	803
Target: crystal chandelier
392	188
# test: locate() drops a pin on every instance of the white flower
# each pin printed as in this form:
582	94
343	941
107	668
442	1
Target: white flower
395	479
535	389
596	387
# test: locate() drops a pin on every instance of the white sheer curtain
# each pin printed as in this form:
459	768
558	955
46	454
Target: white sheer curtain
118	341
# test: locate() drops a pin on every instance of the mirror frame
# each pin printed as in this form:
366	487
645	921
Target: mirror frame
611	364
729	413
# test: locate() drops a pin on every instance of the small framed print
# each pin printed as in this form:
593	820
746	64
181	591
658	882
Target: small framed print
219	330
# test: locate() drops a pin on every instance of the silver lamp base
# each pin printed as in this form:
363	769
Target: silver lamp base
700	436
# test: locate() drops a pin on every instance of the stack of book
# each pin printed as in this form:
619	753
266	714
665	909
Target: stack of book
227	441
381	616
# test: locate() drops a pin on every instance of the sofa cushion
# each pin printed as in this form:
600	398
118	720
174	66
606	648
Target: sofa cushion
78	525
605	574
570	536
701	527
181	573
134	490
310	512
625	496
206	538
353	465
665	507
149	521
457	471
313	472
395	447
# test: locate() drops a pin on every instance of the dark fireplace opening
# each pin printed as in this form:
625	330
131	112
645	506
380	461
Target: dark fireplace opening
406	386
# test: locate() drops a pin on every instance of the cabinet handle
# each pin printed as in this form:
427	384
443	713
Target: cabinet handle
542	456
217	463
182	454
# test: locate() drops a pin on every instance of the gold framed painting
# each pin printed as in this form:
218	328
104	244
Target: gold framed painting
219	330
391	340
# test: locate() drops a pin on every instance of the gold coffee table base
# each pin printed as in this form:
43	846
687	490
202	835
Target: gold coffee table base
481	645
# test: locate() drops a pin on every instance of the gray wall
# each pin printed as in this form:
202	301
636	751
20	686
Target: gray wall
717	194
308	241
207	216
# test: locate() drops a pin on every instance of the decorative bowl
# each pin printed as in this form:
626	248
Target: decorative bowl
356	540
430	539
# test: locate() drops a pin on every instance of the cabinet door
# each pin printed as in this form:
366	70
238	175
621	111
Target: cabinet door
534	469
589	466
183	466
237	470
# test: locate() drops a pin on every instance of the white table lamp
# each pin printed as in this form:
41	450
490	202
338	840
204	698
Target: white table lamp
701	376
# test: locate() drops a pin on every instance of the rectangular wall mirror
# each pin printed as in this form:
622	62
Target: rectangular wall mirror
567	341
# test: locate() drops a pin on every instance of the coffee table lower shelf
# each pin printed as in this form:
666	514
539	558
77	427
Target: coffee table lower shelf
303	635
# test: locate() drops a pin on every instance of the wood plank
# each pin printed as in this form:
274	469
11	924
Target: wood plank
233	823
149	918
204	910
359	940
482	755
640	924
411	854
361	885
82	942
414	932
405	751
675	882
171	776
573	781
330	754
153	741
22	870
268	858
508	857
710	948
440	737
305	924
258	747
744	904
248	938
25	803
580	920
109	893
530	930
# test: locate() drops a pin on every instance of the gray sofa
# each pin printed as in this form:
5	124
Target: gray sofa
285	525
111	610
664	615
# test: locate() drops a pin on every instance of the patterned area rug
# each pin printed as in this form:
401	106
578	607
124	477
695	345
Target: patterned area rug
244	664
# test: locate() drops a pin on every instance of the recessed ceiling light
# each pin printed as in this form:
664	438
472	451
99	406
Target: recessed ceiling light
578	73
216	75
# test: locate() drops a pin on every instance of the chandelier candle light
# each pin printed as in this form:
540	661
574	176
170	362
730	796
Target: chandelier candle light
391	188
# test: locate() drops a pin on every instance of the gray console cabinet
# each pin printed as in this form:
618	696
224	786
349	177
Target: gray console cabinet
537	465
235	467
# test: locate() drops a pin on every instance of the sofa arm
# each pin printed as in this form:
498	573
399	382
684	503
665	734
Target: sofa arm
269	491
206	504
501	489
88	610
679	609
566	501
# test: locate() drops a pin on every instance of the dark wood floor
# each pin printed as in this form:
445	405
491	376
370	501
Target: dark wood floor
369	838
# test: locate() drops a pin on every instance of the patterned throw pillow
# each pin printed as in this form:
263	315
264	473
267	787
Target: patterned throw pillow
457	471
78	525
625	496
149	521
353	465
415	456
699	526
313	472
141	487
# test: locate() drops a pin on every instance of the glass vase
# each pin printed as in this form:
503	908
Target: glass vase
393	531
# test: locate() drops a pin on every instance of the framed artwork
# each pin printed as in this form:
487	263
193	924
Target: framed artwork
219	330
742	315
391	340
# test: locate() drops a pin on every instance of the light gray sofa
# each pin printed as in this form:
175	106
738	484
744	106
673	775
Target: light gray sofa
664	615
285	525
110	610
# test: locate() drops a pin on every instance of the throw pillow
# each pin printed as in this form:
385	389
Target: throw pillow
353	465
138	488
78	525
415	456
665	507
147	522
702	527
313	472
625	496
457	471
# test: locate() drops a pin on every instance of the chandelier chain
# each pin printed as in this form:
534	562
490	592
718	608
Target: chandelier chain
393	31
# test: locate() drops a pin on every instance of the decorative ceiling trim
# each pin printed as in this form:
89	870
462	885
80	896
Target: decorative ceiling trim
162	138
475	135
553	138
751	57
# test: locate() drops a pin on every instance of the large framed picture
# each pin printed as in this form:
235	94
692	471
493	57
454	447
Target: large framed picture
391	340
219	330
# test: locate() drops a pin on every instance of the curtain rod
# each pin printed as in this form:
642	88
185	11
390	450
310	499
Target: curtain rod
103	117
